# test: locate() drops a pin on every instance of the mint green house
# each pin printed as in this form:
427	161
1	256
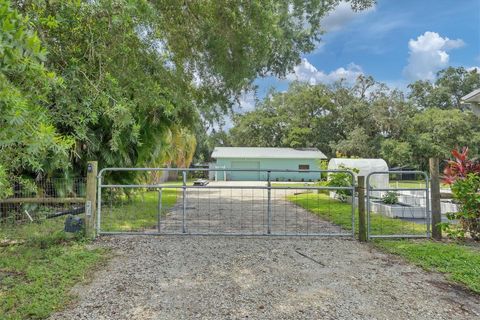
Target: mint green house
263	159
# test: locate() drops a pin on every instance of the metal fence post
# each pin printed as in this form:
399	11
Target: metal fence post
159	209
428	213
436	208
353	204
184	201
368	207
269	203
99	204
91	199
362	231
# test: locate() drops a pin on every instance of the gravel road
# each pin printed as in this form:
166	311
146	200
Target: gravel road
217	277
243	211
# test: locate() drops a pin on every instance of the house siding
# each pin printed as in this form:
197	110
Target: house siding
266	164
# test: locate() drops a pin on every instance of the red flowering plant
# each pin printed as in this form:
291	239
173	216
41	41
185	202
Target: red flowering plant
460	167
463	176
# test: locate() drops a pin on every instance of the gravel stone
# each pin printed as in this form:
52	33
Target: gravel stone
214	277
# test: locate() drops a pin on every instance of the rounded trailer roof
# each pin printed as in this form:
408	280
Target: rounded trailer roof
364	165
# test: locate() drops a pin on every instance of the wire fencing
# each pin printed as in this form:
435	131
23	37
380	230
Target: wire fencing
34	200
260	207
179	204
398	208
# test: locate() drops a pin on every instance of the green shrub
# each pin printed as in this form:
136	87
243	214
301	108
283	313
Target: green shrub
5	188
463	175
341	179
390	197
466	193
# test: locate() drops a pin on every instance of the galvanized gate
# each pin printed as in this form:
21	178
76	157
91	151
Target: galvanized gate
398	208
274	205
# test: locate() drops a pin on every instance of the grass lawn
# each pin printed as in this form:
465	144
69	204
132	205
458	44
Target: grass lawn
340	214
37	274
459	262
412	184
138	212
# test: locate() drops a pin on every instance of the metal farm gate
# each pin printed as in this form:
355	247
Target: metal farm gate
398	208
189	206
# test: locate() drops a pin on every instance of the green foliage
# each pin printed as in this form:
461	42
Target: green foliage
446	92
459	262
466	192
207	142
36	281
29	142
128	83
390	197
463	176
396	153
356	143
5	187
435	132
139	211
342	179
323	165
121	105
338	118
366	119
302	117
340	213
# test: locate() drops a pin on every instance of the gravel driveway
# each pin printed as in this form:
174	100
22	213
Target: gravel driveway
243	211
195	277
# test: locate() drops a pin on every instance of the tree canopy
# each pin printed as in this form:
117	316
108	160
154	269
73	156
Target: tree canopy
29	140
131	82
367	119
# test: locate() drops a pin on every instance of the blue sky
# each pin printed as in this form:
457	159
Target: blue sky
396	42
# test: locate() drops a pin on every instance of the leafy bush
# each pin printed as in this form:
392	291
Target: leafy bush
29	141
5	188
460	167
390	197
323	165
341	179
463	175
466	192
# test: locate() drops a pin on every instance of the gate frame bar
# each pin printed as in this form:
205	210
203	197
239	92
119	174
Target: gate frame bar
184	187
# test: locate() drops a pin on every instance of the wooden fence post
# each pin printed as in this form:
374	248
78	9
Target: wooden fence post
436	204
91	199
362	224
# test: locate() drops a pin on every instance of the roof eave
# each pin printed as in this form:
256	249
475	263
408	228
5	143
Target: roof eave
473	96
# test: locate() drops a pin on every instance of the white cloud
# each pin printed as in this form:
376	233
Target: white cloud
428	54
306	72
246	102
341	16
476	68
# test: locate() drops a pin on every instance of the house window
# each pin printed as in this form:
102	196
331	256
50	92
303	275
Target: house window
303	167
